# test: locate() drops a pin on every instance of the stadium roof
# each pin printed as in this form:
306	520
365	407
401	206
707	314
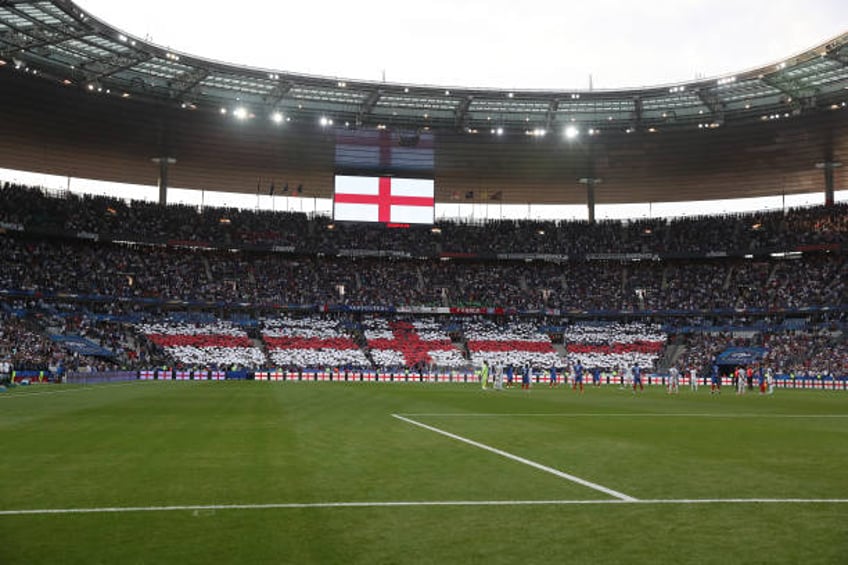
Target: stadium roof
58	40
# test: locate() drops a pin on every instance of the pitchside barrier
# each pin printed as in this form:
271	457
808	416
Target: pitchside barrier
400	376
100	377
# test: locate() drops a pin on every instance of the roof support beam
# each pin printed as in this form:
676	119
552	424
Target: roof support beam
368	106
33	39
836	55
37	23
711	100
67	31
278	92
798	96
461	117
550	115
108	66
36	37
187	82
636	121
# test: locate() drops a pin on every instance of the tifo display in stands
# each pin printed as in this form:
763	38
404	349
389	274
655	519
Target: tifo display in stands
310	342
214	345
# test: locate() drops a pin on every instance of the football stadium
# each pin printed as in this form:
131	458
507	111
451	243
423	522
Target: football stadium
323	320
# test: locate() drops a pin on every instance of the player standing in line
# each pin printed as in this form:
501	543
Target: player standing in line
596	376
525	377
715	381
484	375
578	376
741	381
693	379
509	375
499	377
673	380
553	378
637	377
770	380
761	379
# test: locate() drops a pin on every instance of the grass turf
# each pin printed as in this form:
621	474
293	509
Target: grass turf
164	444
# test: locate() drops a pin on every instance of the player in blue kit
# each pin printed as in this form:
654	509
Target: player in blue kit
637	377
715	381
596	376
553	380
578	376
525	378
509	375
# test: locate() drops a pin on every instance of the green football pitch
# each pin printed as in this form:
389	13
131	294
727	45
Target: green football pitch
248	472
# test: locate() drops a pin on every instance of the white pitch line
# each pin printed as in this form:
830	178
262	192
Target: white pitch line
414	503
620	415
545	468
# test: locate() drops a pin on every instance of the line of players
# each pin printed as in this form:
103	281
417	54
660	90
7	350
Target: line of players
631	377
498	374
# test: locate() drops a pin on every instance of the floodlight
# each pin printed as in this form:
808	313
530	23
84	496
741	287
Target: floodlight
277	117
571	132
240	113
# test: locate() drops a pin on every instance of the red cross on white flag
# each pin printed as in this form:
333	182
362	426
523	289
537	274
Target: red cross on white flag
384	199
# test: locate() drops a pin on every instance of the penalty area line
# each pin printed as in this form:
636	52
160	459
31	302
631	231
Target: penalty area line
412	503
535	465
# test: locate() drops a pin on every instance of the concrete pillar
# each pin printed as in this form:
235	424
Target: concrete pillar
590	183
164	163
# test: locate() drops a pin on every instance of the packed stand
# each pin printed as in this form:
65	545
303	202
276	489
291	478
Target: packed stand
615	345
310	342
139	273
516	344
25	347
112	218
220	345
415	344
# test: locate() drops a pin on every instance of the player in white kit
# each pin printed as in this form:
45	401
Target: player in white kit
673	381
499	377
626	377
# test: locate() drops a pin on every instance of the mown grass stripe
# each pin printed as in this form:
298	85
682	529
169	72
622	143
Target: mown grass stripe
545	468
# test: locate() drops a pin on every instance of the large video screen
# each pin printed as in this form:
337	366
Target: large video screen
406	153
388	200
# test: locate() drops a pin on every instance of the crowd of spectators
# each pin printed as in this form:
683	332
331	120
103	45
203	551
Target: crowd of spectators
382	341
125	272
615	345
112	218
310	342
25	347
26	343
807	353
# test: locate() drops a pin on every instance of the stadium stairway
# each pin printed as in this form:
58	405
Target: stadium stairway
560	350
207	268
671	355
